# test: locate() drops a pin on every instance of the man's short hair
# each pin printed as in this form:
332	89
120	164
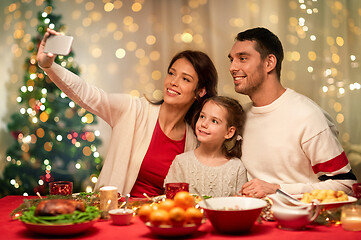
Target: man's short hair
267	43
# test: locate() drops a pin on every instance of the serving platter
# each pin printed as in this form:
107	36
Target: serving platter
330	205
60	229
169	231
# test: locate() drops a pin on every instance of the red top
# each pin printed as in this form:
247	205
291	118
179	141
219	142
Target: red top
160	155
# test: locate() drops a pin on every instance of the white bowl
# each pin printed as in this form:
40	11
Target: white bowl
233	214
121	216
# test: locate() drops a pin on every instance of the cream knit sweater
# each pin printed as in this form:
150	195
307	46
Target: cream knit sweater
215	181
132	120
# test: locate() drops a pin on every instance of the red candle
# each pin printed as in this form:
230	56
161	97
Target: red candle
61	188
356	188
172	188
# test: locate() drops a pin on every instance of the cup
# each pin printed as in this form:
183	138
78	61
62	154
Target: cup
121	216
108	200
61	188
172	188
356	188
351	217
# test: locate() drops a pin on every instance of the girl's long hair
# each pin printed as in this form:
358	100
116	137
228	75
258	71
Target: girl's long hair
235	117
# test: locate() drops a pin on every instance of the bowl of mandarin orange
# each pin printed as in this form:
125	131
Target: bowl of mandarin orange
172	217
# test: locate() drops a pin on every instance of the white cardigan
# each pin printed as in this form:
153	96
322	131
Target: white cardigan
132	120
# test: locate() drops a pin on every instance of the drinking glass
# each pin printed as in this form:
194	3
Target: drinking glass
61	188
356	188
172	188
351	217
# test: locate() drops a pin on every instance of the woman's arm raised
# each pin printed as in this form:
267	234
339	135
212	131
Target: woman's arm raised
107	106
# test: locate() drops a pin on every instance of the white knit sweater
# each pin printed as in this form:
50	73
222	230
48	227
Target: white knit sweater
292	142
132	120
219	181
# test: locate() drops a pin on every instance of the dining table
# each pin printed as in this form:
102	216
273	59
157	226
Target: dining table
105	229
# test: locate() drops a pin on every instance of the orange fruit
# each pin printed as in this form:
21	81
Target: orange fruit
194	215
144	212
159	217
166	204
184	200
177	216
154	206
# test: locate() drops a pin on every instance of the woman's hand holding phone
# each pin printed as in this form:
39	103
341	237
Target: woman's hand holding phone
53	43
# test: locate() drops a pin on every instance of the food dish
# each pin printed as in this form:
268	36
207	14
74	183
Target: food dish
59	229
330	204
138	202
168	231
233	215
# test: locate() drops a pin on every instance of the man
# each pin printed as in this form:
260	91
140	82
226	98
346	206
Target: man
289	141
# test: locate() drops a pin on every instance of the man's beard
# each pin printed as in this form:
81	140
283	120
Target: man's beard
252	86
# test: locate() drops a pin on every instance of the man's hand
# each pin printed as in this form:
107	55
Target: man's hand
258	188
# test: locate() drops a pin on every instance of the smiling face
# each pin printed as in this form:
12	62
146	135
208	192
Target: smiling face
180	84
212	125
247	68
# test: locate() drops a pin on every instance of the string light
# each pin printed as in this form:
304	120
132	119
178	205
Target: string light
123	31
59	138
94	179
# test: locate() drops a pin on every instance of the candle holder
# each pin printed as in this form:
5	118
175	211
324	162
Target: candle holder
172	188
351	217
61	188
108	200
356	188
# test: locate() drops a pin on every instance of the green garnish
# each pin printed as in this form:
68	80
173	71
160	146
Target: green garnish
90	213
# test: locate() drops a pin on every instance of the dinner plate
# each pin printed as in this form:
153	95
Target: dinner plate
169	231
331	204
59	229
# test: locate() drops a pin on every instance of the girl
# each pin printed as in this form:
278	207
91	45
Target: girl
214	168
145	136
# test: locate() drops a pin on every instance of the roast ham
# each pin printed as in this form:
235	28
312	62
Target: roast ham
55	207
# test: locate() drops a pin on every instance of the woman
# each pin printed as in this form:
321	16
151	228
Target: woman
145	136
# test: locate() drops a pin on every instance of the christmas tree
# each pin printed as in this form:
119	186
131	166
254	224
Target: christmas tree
52	139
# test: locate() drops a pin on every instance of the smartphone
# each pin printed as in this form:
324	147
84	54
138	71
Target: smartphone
58	44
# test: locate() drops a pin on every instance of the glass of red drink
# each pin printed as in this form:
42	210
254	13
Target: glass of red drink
172	188
61	188
356	188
